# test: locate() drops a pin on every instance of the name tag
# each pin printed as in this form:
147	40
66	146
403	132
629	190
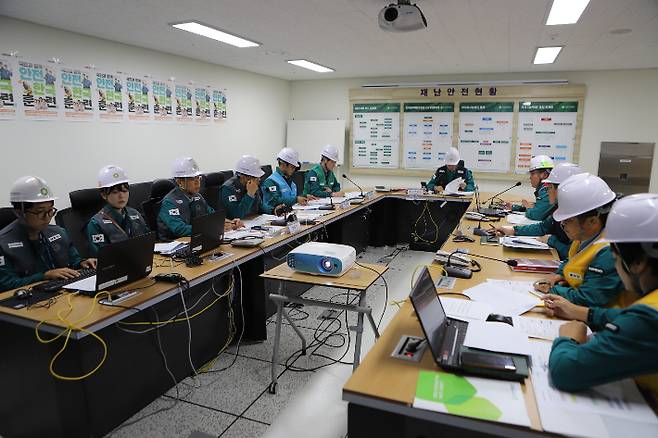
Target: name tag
174	212
51	239
98	238
179	201
314	178
2	260
233	198
595	270
107	221
15	245
196	198
134	218
272	188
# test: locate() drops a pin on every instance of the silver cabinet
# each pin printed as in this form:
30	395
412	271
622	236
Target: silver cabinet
626	167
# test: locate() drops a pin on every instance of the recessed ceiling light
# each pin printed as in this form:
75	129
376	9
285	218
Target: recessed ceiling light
310	65
546	55
215	34
566	11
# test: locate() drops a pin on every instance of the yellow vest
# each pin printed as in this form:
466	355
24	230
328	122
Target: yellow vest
574	269
649	382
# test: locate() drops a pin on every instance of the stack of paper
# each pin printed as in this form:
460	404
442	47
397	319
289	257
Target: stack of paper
169	247
452	188
258	220
497	336
466	310
519	219
509	301
523	242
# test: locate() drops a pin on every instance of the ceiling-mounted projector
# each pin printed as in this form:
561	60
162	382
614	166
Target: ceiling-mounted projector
402	17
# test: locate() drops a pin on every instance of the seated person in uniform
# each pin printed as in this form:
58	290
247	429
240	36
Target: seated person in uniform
558	239
540	168
588	276
453	169
279	190
116	221
320	180
184	202
240	195
31	249
626	342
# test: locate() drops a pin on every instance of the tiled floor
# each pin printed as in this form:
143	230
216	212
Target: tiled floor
235	402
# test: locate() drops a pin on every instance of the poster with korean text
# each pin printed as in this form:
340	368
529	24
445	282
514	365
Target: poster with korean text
202	111
218	105
485	135
37	84
8	103
138	98
109	96
163	108
183	103
77	97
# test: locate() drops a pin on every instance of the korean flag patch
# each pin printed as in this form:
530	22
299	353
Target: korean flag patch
98	238
174	212
2	260
272	188
54	237
233	198
313	178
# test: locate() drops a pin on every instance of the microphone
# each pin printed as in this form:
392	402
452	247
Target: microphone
456	271
518	183
358	186
331	205
508	262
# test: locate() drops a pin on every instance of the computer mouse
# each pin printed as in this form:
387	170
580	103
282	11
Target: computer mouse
494	317
23	294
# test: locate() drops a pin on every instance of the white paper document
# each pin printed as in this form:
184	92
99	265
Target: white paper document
610	410
169	247
519	219
523	242
540	328
503	301
496	336
86	284
465	309
258	220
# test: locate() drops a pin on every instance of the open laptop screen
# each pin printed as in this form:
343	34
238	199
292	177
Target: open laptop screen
207	231
429	310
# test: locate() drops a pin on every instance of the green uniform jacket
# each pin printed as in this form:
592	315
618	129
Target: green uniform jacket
172	219
468	179
10	278
237	202
278	189
131	222
630	351
601	283
542	207
316	181
558	239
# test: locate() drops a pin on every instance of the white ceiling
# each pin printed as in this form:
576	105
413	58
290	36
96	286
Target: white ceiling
464	36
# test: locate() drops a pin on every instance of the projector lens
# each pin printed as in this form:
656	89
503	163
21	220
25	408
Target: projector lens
326	264
390	14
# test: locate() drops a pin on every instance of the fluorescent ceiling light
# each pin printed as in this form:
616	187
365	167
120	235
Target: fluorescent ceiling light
310	65
546	55
215	34
566	11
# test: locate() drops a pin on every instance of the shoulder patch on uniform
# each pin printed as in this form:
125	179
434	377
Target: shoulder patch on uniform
233	198
179	201
174	212
272	188
196	198
54	237
2	260
135	217
15	245
313	178
595	269
107	221
98	238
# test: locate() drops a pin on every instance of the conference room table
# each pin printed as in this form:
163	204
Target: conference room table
131	372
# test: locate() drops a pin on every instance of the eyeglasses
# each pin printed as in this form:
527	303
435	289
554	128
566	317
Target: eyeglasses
43	214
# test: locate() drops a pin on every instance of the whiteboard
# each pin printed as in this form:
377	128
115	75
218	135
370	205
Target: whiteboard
308	137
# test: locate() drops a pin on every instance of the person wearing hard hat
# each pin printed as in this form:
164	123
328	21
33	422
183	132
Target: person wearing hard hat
626	342
588	276
451	170
540	168
279	190
31	249
557	239
184	202
320	180
240	195
115	221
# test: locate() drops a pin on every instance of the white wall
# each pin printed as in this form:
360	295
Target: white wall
619	106
69	154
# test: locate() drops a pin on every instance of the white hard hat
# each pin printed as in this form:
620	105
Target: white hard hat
111	175
248	165
563	171
31	189
290	156
581	193
452	157
330	151
185	167
541	162
634	218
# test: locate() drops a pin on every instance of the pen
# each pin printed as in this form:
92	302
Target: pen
537	294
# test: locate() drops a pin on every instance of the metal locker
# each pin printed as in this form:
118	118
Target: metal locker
626	167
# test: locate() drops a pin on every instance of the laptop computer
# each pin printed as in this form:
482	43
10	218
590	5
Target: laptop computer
119	263
445	338
207	232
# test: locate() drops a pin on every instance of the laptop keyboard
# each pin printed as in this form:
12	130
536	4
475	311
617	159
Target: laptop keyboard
55	285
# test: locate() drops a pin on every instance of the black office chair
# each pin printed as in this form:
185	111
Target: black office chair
268	171
228	174
160	188
7	216
139	192
211	188
151	209
298	179
75	225
86	202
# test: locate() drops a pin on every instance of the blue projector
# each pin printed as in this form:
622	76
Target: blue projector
322	258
